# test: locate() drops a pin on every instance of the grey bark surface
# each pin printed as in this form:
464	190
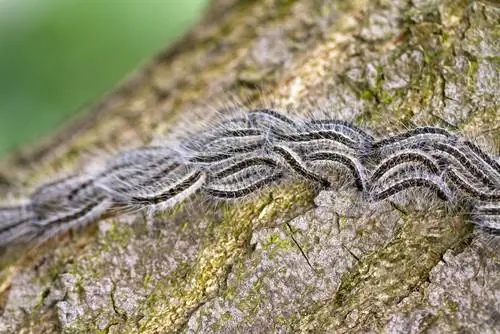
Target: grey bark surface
291	259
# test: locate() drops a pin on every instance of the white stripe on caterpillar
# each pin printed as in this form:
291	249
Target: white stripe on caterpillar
51	194
243	190
328	135
426	181
85	213
462	184
239	156
167	192
16	224
241	164
487	209
450	154
466	163
487	215
356	134
131	179
351	163
271	120
402	157
345	127
483	156
224	144
75	218
417	134
296	164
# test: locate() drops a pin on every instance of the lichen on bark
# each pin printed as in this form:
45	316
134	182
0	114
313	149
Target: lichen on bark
290	259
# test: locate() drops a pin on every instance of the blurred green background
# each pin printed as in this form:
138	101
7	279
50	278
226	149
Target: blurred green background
59	55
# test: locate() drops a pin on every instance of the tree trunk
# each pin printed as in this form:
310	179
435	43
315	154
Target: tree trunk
290	259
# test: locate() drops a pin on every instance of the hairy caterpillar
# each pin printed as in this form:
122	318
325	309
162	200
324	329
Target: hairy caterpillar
402	157
425	181
350	162
295	162
417	134
240	155
486	214
243	189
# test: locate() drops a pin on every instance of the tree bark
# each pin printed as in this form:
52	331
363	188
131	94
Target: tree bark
290	259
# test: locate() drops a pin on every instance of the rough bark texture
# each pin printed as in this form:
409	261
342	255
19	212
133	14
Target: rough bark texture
289	260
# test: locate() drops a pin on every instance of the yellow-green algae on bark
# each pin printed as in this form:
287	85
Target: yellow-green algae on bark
385	64
388	275
230	243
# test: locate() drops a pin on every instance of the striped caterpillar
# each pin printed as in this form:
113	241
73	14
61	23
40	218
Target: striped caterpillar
243	154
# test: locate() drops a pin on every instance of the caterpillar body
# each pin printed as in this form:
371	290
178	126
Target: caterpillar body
241	155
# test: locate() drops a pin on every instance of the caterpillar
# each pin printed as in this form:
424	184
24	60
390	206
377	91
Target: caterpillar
245	153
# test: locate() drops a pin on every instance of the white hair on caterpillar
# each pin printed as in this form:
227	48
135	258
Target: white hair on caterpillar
236	152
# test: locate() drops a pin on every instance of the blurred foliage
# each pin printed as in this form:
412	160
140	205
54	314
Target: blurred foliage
58	55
